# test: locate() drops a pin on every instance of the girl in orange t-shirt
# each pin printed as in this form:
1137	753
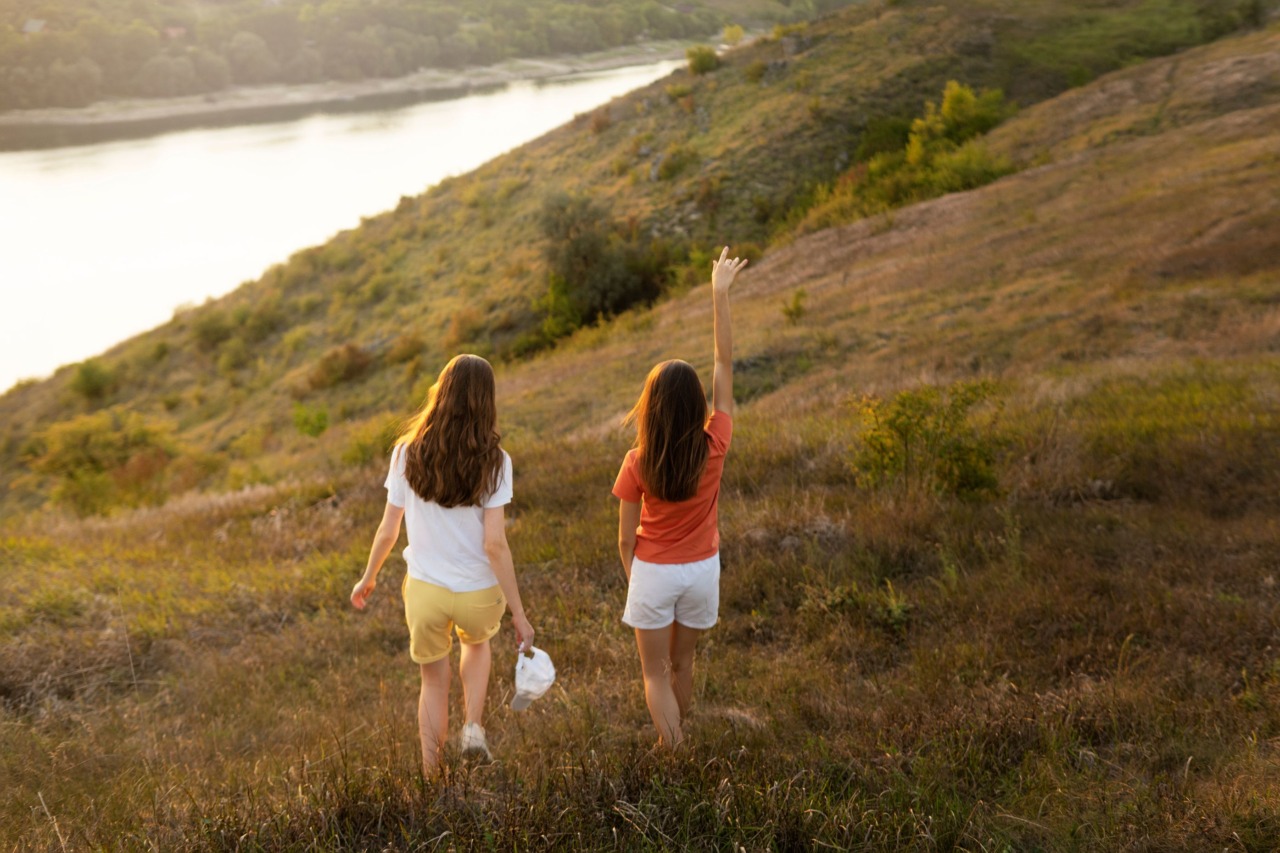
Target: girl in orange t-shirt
668	539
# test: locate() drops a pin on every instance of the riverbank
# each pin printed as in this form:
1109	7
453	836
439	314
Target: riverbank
140	117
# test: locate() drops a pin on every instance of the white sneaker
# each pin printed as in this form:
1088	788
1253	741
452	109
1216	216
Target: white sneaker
474	745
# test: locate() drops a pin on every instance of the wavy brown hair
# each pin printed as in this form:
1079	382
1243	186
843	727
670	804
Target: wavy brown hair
451	447
670	418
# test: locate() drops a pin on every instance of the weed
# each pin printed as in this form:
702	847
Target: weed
793	310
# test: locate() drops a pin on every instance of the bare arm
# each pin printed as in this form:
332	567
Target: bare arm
628	521
383	541
504	569
723	273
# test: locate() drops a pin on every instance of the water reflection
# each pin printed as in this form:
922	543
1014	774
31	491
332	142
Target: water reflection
103	241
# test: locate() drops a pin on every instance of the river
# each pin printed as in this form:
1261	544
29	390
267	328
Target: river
100	242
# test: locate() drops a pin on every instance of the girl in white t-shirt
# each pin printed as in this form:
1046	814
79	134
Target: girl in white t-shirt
449	481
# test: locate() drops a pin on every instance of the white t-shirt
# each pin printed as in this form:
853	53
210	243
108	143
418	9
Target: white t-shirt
446	546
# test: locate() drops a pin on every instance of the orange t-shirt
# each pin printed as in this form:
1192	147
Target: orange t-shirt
682	531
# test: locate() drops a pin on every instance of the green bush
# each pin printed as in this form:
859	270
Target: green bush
677	91
675	160
755	71
263	321
924	440
210	329
105	459
702	59
233	356
595	267
310	420
92	380
940	153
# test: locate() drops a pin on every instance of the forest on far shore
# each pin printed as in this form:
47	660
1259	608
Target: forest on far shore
56	53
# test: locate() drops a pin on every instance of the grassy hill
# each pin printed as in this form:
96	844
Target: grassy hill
1055	628
343	334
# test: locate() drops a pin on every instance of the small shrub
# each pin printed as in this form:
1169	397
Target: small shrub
601	121
702	59
310	420
781	31
338	365
92	380
677	91
755	71
794	309
675	160
733	33
210	329
295	339
378	287
922	440
105	459
234	356
595	267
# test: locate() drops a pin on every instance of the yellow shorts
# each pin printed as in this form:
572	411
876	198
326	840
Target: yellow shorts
433	611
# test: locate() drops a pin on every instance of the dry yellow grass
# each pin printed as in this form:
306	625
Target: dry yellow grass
1086	661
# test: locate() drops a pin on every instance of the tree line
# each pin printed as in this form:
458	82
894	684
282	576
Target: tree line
60	53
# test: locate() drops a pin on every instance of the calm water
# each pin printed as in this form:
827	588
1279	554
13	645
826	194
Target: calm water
100	242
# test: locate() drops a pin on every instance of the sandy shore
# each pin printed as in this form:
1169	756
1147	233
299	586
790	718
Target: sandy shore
131	118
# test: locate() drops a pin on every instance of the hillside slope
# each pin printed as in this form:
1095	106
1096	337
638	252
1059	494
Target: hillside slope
346	332
1074	648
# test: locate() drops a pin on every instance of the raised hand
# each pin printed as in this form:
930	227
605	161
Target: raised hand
725	270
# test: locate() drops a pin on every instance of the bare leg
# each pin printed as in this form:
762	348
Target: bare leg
655	665
684	641
474	671
433	712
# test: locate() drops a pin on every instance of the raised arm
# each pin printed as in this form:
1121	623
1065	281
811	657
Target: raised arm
723	273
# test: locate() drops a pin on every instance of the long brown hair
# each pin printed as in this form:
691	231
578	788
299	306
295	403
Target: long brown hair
451	444
670	416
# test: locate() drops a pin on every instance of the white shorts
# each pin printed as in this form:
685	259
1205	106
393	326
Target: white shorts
662	593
